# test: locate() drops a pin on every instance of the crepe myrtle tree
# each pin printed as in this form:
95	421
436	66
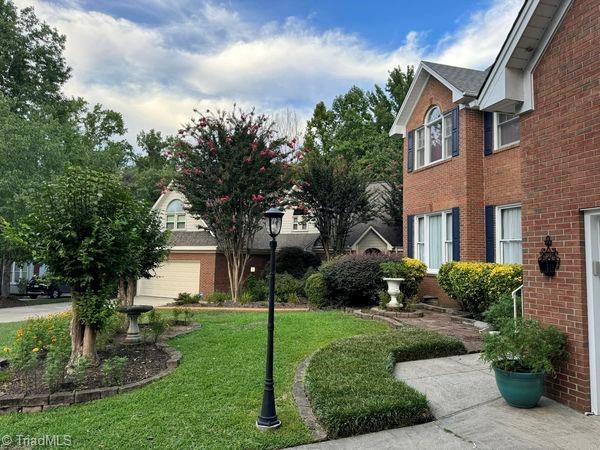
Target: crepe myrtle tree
231	167
147	247
333	193
82	225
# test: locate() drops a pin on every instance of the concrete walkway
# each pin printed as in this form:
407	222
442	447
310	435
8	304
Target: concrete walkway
470	414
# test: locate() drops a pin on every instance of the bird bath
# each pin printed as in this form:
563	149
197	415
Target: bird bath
133	313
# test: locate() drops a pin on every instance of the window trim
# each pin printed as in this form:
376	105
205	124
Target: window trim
445	239
498	232
175	218
446	153
299	225
496	132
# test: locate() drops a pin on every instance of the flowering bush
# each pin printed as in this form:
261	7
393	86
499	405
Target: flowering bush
231	167
477	285
412	270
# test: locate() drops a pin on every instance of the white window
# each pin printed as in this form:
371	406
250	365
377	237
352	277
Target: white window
18	272
433	239
509	246
507	129
299	224
175	215
433	141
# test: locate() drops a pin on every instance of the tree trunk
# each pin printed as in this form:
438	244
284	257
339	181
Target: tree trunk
83	338
89	344
131	291
5	278
122	292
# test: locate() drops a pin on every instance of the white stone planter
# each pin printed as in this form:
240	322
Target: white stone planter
393	290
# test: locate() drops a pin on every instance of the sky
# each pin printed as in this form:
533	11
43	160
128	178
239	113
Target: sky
157	60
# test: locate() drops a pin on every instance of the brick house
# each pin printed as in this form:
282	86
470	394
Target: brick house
497	159
195	263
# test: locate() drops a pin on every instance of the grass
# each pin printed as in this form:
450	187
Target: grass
213	398
351	386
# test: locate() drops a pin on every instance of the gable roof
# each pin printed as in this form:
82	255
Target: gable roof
468	81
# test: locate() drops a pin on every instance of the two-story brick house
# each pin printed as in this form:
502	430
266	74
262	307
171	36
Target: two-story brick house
497	159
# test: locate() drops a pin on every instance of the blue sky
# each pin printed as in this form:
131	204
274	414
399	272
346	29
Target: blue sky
156	60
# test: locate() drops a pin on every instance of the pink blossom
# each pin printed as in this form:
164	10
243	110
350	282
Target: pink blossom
257	197
223	199
262	169
264	152
254	146
248	159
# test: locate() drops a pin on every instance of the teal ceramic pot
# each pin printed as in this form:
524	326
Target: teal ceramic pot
521	390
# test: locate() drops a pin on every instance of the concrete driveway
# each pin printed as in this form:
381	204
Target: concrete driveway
20	313
471	414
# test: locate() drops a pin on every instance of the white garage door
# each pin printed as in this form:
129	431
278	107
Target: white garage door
172	278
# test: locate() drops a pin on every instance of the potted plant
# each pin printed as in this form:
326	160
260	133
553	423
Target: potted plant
391	275
521	354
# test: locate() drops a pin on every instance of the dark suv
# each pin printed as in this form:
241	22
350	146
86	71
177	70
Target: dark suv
36	287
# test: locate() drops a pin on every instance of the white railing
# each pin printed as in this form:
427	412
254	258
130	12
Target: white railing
514	297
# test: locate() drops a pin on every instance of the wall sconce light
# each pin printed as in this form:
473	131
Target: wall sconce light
549	261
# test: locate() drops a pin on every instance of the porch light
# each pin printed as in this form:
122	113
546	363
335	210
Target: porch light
549	261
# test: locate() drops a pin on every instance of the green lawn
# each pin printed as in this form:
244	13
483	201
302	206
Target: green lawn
213	398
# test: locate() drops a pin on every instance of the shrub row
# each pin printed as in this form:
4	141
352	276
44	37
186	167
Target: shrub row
477	285
352	388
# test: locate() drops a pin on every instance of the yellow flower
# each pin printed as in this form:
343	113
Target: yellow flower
35	350
53	339
20	332
6	349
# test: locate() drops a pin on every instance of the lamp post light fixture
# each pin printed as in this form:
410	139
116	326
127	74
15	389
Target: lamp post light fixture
267	420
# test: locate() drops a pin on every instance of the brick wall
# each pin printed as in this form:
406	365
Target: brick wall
560	142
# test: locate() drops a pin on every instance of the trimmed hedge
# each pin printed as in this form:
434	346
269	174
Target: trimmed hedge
351	386
296	261
288	288
316	290
476	286
355	280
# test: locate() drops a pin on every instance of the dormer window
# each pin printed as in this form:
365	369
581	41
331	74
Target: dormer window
433	141
175	215
298	222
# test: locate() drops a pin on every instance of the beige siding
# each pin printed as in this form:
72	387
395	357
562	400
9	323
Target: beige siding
288	222
172	278
191	224
371	240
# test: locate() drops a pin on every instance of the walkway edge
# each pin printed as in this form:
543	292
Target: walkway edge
304	408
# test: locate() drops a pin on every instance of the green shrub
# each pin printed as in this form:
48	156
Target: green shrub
185	298
217	297
187	316
355	280
384	299
316	290
477	285
257	289
157	325
351	384
501	311
412	270
245	298
288	287
525	346
113	370
56	360
176	313
296	261
115	324
79	371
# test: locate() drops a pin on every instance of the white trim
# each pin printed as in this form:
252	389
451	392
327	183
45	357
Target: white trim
427	136
498	231
354	246
444	241
193	248
592	305
496	133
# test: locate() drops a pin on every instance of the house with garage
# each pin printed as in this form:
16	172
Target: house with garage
498	159
196	265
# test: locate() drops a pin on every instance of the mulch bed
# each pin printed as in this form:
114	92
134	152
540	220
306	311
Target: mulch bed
10	302
144	361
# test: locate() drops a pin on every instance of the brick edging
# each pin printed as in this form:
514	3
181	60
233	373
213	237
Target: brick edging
372	316
304	408
42	402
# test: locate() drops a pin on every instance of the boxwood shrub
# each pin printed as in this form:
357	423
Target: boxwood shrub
355	280
477	285
351	386
316	290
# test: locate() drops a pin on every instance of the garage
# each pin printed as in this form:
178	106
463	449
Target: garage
172	278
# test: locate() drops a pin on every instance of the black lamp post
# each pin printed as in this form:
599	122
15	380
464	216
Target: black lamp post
268	417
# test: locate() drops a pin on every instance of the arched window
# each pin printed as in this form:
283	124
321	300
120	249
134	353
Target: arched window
175	215
433	141
372	251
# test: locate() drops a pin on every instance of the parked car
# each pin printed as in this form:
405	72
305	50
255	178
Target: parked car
37	287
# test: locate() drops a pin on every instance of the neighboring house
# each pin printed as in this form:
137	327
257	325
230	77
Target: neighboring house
25	272
195	263
497	159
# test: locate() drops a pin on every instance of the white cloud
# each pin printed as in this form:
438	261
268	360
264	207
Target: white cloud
156	75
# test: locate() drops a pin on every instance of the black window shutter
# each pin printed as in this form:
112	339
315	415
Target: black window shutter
490	241
410	221
456	234
488	133
411	151
455	128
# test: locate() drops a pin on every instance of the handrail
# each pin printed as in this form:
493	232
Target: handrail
514	297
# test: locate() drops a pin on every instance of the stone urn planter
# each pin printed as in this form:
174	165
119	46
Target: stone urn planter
393	290
133	313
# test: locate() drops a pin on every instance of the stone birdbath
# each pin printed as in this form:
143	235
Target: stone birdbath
133	313
393	290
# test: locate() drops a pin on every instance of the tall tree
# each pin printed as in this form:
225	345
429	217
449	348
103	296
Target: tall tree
231	167
32	66
333	192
